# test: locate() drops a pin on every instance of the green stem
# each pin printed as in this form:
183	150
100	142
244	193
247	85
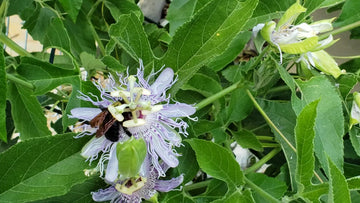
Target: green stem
268	120
260	191
347	57
278	89
96	37
269	145
265	138
93	8
216	96
340	30
12	45
197	185
20	81
262	161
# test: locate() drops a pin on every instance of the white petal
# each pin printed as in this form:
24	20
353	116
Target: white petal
112	167
162	82
93	147
178	110
85	113
164	151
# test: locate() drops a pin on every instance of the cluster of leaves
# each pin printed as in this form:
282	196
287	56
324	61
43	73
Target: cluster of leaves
304	118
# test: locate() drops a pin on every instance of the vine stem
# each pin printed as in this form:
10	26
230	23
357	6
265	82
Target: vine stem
340	30
216	96
262	161
198	185
19	81
268	120
12	45
260	191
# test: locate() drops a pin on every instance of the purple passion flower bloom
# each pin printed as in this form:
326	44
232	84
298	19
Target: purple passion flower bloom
141	109
137	188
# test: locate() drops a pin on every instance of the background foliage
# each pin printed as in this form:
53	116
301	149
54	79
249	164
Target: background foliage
296	123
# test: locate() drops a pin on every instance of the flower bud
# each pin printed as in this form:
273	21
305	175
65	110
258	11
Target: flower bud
325	63
355	110
130	155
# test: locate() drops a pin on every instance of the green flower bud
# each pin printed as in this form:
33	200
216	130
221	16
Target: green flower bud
130	155
355	110
325	63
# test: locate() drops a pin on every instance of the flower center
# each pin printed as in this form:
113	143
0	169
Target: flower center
131	185
133	104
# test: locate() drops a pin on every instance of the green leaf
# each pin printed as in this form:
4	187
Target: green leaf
26	111
130	155
347	16
216	189
268	10
231	52
187	163
113	64
311	6
329	122
56	35
177	196
330	3
130	35
217	162
119	7
240	106
71	7
180	11
247	139
354	134
314	192
44	25
80	34
346	84
3	90
222	22
338	190
18	6
197	84
90	63
43	75
284	118
44	167
354	183
273	186
237	197
79	193
305	134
